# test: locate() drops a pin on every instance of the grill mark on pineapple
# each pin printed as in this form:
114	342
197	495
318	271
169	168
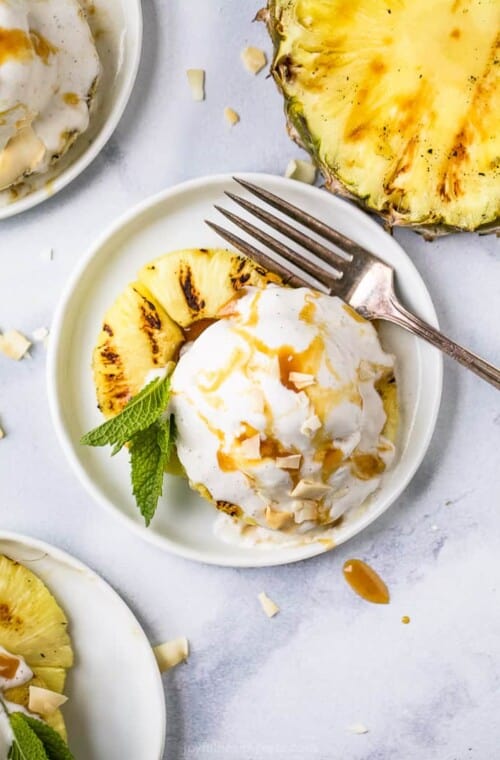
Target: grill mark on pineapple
193	297
8	619
229	509
452	170
107	329
109	355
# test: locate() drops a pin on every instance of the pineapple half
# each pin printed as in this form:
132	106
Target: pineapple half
151	319
33	626
398	102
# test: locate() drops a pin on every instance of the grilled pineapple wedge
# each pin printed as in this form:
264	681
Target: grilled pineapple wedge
398	102
33	626
151	319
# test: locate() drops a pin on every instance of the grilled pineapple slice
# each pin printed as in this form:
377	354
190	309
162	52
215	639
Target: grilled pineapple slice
33	626
137	336
20	695
145	327
398	102
31	622
194	284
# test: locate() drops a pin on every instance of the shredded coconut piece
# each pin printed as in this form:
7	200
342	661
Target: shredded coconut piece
310	490
301	379
357	728
303	171
277	519
171	653
14	345
250	448
2	433
291	462
47	254
270	608
231	116
44	701
311	425
40	334
254	59
196	80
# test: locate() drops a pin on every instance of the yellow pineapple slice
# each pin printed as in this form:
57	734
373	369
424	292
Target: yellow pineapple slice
20	695
194	284
31	622
53	678
137	336
398	102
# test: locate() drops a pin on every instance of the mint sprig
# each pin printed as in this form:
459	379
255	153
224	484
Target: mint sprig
150	450
150	438
138	414
53	744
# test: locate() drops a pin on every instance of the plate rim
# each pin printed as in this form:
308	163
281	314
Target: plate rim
66	558
75	168
268	559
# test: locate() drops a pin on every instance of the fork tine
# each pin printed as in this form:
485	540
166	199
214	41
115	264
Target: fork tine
307	220
330	257
288	277
310	267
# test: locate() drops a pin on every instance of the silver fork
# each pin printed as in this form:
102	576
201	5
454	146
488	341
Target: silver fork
354	274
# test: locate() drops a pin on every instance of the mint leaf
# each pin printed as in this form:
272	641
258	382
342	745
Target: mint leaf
150	450
55	747
26	745
140	412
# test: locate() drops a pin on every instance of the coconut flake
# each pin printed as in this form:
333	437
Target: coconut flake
254	59
357	728
250	448
44	701
303	171
291	462
47	254
301	379
277	519
196	80
40	334
14	345
310	425
2	433
171	653
304	510
270	608
231	116
310	490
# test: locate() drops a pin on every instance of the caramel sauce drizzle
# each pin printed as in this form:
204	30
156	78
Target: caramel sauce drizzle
8	666
15	44
365	582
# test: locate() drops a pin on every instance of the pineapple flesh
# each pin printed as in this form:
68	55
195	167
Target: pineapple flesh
33	626
398	102
149	321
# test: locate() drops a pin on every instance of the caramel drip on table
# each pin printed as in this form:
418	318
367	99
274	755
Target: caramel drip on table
365	582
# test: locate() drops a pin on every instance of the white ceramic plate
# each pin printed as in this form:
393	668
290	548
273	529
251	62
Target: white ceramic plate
116	707
174	219
117	26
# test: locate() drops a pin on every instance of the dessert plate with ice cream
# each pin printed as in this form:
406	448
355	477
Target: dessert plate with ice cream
67	68
252	423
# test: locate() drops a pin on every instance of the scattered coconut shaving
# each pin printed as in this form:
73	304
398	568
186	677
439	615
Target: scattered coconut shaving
357	728
2	433
291	462
44	701
171	653
270	608
301	379
47	254
14	345
196	80
231	116
254	59
303	171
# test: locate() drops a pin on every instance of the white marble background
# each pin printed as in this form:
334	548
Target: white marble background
285	688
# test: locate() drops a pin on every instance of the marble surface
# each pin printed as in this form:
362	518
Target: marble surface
289	687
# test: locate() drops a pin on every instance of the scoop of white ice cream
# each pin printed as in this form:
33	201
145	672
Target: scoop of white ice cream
48	70
277	412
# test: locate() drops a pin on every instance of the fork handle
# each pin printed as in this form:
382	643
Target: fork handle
395	312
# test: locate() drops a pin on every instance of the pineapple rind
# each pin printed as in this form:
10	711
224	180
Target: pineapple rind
421	147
